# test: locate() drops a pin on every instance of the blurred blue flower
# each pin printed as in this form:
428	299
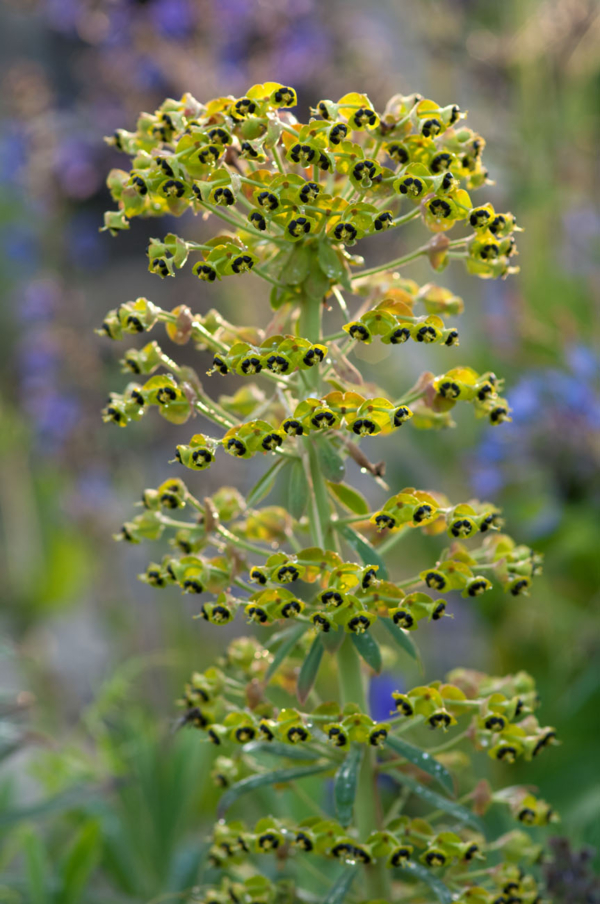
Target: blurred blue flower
54	416
21	245
13	153
380	695
554	411
583	361
83	241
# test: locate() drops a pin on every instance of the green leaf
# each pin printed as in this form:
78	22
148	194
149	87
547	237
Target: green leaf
331	464
345	784
286	647
298	492
441	891
340	888
295	269
263	487
367	553
79	863
309	669
329	262
316	284
460	813
36	868
71	799
278	748
423	760
272	777
350	498
368	648
402	638
278	298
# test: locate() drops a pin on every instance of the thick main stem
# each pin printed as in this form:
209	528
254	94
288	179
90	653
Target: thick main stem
353	685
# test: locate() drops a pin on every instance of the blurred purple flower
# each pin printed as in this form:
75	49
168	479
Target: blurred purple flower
39	299
301	49
76	169
173	18
92	492
581	240
63	15
149	76
498	313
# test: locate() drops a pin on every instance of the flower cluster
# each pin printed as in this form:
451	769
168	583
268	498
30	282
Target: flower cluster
292	199
401	846
342	594
503	726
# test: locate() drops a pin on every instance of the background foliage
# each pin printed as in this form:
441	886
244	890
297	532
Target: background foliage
97	796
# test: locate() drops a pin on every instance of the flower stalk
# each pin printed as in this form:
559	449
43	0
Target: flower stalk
296	198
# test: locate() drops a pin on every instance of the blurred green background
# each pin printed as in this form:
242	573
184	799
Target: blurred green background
99	799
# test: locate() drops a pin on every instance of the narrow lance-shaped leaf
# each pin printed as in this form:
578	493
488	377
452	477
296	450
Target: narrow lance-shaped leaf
286	647
340	888
367	553
423	760
264	485
79	863
368	648
441	891
345	784
297	490
309	669
350	498
278	748
402	638
37	870
460	813
273	777
331	464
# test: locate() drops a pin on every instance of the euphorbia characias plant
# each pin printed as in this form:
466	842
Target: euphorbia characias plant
289	201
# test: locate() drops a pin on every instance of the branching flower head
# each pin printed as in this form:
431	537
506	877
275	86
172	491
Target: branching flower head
290	200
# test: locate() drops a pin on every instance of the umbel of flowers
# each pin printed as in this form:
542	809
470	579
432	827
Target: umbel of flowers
289	201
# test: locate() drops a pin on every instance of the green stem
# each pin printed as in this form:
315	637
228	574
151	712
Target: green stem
352	689
391	264
400	221
367	806
260	272
322	509
240	542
